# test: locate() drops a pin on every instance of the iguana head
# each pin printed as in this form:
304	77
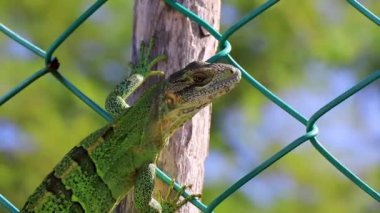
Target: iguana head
192	88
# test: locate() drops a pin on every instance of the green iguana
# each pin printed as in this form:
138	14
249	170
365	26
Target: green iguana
98	173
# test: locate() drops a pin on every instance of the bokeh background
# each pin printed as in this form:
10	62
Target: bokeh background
306	52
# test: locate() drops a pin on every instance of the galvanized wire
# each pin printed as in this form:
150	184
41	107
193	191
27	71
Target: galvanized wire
225	48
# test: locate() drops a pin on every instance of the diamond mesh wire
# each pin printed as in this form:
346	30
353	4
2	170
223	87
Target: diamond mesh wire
52	65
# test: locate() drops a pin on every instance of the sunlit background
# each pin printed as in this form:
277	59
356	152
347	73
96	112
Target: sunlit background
306	52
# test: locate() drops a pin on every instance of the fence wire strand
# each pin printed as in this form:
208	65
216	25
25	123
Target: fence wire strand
52	67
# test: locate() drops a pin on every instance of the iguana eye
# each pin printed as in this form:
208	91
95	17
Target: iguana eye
199	77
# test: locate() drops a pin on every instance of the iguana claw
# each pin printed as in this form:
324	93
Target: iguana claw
170	205
144	64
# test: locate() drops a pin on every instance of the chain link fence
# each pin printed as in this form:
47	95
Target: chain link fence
311	134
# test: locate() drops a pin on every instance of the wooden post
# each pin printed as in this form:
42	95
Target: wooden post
182	41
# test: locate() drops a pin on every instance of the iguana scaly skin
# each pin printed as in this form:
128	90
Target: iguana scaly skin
96	174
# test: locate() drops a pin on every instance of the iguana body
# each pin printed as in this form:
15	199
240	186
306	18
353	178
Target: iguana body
96	174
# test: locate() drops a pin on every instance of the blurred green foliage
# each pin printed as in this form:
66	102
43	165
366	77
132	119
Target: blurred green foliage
275	48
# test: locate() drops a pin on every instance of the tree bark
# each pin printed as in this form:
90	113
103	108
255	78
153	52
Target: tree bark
182	41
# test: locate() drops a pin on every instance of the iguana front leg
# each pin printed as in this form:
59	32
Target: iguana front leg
116	104
116	100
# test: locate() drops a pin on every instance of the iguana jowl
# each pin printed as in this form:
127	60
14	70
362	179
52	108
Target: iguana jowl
96	174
